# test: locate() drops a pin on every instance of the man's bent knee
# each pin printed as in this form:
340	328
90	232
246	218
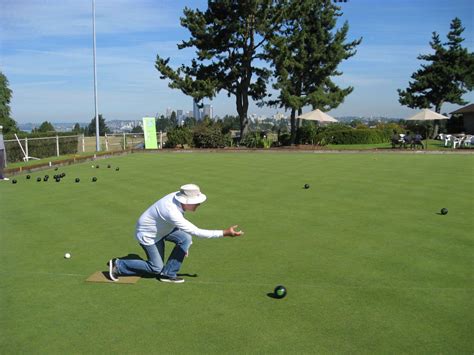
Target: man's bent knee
155	269
185	241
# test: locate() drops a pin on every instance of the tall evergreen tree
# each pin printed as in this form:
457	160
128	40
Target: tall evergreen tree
228	37
103	129
173	119
447	76
77	129
163	124
305	54
45	127
137	129
8	124
189	122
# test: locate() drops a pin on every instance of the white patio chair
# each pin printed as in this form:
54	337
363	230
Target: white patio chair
456	142
447	140
468	141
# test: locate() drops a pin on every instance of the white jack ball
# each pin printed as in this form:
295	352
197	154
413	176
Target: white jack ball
67	256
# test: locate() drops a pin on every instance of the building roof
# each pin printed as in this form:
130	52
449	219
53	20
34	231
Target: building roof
465	109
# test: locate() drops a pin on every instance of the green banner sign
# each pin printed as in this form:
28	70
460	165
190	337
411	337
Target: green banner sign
149	130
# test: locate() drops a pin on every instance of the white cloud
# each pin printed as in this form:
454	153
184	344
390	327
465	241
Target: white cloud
27	19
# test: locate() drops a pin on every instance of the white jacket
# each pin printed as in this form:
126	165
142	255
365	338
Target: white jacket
162	217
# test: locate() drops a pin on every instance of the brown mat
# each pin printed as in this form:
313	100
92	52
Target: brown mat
103	276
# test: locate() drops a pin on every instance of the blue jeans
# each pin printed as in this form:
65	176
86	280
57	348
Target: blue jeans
155	254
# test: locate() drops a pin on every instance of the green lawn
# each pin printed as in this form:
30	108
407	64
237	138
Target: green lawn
369	264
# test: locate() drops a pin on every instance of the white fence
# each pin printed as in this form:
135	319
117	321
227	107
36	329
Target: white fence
108	142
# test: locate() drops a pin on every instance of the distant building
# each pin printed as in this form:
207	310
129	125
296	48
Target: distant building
279	116
208	111
467	113
196	111
169	111
180	117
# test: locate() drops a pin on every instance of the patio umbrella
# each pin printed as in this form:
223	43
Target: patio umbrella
317	115
427	115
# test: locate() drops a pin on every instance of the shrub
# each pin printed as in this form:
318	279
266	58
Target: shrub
251	140
306	134
179	136
266	142
284	139
388	128
257	140
210	136
352	136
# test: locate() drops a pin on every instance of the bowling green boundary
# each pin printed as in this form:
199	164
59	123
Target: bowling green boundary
369	262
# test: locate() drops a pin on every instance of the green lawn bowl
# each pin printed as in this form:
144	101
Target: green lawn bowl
279	291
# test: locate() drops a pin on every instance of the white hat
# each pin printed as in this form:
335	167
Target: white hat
190	194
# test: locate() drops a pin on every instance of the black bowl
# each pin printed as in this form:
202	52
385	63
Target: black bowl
279	291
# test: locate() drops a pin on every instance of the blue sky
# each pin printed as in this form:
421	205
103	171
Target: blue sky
46	54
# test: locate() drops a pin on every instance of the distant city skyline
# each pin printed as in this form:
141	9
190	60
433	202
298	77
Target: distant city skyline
46	54
121	125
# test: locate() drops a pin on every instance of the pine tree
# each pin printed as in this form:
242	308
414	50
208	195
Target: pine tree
77	129
45	127
447	76
228	37
103	129
8	124
305	54
173	120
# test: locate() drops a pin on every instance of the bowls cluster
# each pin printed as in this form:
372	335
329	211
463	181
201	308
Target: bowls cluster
58	177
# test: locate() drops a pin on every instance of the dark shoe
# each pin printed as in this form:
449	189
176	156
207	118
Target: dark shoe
171	279
113	274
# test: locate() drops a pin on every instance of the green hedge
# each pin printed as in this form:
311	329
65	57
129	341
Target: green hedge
179	136
41	148
353	136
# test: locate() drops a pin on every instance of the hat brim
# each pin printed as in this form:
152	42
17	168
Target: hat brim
190	200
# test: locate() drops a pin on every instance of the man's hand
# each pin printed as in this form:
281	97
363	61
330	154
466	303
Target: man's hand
231	232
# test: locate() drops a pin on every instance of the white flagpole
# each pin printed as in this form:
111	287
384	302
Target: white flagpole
97	137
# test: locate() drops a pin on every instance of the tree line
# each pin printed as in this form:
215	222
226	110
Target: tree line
244	46
294	47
